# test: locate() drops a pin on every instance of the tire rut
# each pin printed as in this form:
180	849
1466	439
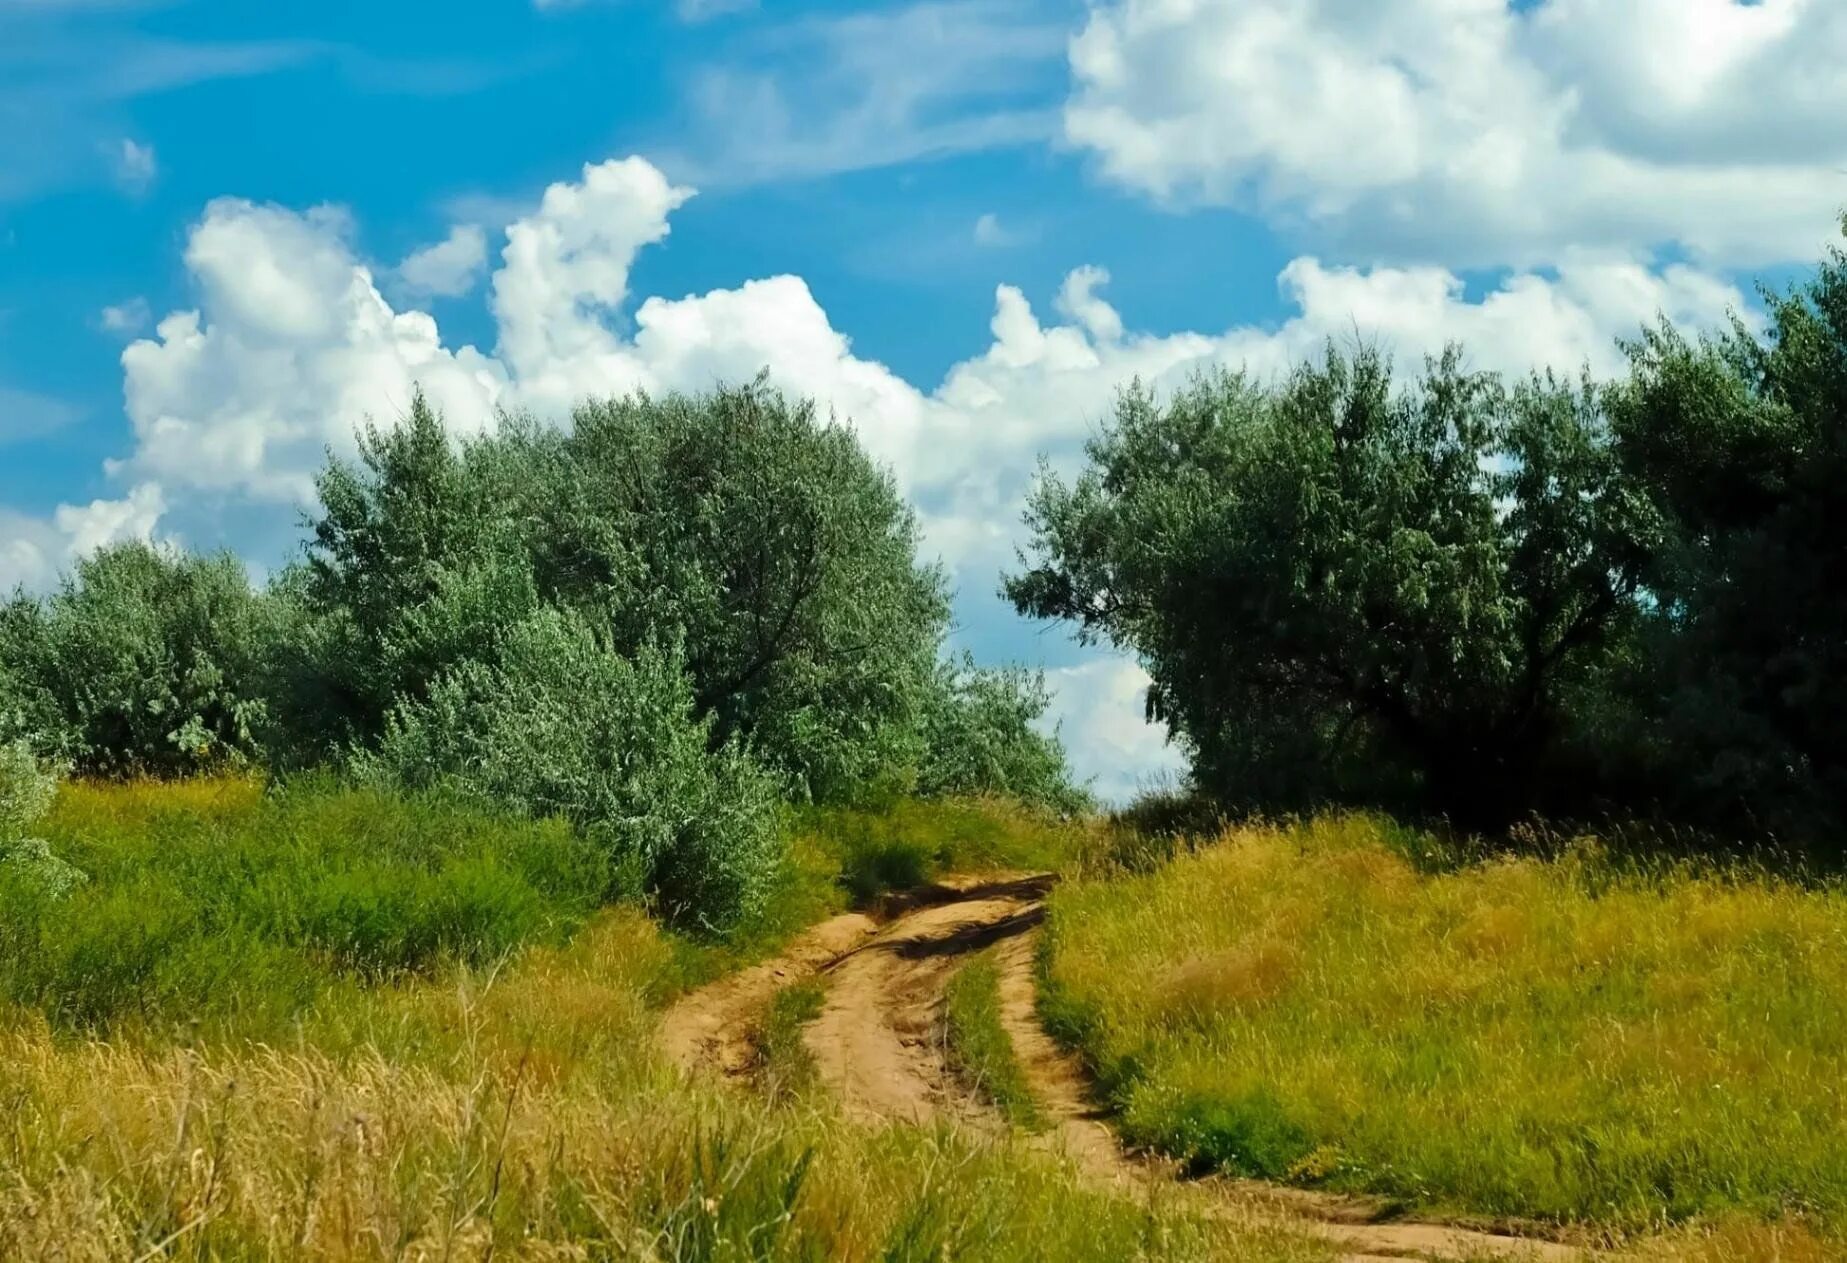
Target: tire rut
878	1047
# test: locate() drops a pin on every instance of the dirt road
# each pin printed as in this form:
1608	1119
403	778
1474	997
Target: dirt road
878	1047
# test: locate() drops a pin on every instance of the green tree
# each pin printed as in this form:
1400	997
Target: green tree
145	660
1345	591
980	738
735	525
1734	716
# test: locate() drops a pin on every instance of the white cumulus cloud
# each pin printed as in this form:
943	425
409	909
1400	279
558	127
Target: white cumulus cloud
1097	709
1474	132
450	267
34	551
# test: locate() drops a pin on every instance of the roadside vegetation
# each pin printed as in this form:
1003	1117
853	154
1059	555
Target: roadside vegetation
980	1050
783	1067
1581	1038
1478	600
520	1112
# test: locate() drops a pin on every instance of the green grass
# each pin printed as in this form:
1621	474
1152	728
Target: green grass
851	857
213	901
784	1068
980	1051
1572	1039
459	1102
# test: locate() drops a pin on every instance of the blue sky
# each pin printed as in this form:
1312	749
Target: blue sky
1254	176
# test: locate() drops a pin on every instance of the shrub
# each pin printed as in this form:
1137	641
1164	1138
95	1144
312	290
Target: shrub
736	525
26	790
144	660
562	725
979	739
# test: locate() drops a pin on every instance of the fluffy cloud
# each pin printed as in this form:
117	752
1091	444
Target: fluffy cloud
33	551
1097	709
102	522
292	345
291	350
1477	132
448	268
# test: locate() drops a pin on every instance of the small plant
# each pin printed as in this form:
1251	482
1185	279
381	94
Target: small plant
26	791
783	1066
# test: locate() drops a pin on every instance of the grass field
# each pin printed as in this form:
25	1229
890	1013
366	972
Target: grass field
211	902
1574	1039
362	1093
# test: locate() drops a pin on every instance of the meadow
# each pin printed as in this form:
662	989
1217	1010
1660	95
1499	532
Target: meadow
1619	1042
358	1029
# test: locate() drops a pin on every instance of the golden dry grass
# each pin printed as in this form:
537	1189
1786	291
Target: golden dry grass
1567	1039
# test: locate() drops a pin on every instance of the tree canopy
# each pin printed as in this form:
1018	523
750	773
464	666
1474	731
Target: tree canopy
1479	599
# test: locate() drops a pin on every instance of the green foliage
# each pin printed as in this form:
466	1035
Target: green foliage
1734	718
26	790
782	1065
979	739
562	726
873	850
735	525
653	625
145	660
1348	591
211	900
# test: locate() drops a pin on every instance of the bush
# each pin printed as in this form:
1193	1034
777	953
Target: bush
26	790
979	739
145	660
563	726
736	525
1349	591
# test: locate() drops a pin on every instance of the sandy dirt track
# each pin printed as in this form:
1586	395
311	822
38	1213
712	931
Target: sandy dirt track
878	1047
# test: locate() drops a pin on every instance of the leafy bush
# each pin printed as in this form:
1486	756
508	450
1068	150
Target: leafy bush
561	725
1347	591
1731	718
26	790
979	739
735	525
144	660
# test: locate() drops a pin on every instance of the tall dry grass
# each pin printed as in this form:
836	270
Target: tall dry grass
518	1114
1575	1039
